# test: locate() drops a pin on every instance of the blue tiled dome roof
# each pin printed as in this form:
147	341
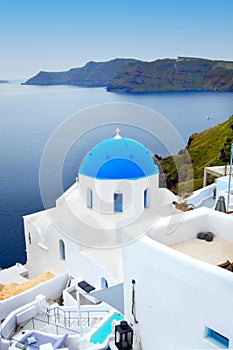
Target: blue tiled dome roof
119	158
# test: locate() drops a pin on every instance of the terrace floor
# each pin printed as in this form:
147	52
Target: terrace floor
215	252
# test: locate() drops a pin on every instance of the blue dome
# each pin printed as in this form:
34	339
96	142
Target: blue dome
119	158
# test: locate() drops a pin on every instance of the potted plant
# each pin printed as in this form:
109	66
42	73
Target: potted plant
183	205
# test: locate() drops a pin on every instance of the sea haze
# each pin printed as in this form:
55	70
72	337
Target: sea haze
30	114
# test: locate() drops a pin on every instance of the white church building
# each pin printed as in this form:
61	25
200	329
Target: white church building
117	186
115	226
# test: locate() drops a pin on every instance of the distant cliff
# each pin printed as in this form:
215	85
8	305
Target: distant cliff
181	74
93	74
4	81
129	75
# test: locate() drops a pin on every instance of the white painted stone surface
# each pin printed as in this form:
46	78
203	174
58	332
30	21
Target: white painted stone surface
176	296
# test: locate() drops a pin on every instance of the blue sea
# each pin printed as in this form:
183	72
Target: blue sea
29	115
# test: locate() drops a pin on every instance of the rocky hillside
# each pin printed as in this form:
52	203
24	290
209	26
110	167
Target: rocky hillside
129	75
181	74
207	148
93	74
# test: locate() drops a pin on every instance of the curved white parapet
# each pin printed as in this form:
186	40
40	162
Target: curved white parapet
199	196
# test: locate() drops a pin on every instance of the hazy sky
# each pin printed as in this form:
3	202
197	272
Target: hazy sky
59	34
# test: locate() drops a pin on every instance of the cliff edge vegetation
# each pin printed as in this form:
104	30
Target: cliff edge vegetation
211	147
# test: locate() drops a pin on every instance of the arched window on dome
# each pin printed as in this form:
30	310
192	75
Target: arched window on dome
62	250
89	198
146	198
118	202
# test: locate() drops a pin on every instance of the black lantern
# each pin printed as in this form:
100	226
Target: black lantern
123	336
220	205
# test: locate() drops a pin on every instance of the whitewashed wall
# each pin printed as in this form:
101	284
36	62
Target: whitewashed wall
177	297
80	227
50	289
180	226
202	194
103	193
222	185
46	251
186	225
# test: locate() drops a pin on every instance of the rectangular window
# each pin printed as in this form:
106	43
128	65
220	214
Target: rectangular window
118	202
217	338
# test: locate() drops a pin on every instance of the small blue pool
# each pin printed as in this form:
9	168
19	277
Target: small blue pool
102	333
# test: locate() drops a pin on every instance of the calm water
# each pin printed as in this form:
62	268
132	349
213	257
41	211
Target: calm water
30	114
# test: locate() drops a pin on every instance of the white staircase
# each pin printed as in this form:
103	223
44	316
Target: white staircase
69	319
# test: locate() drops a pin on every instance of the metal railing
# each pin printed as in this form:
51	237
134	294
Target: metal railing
67	316
37	324
59	321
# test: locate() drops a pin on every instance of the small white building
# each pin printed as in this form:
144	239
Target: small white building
116	225
117	186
